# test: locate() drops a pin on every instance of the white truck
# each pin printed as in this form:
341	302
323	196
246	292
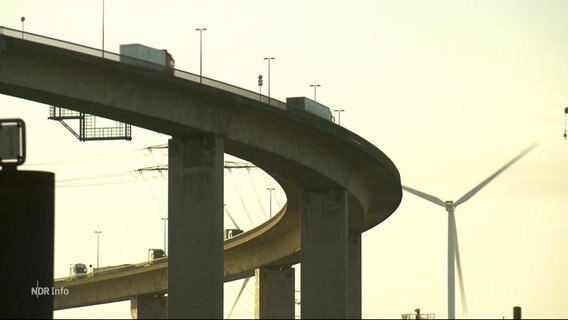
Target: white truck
311	106
154	254
77	270
230	233
140	55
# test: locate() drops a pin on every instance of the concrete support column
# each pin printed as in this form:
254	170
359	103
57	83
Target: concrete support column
324	257
274	298
354	275
195	212
149	306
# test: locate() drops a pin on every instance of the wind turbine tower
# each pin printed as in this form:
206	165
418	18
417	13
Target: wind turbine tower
453	248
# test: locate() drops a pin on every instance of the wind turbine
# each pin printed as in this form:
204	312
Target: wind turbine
453	248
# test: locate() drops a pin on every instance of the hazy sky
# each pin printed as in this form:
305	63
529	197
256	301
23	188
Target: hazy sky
449	90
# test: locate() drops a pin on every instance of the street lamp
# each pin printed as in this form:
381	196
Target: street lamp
103	42
315	86
271	58
165	224
98	234
339	111
23	19
201	52
270	206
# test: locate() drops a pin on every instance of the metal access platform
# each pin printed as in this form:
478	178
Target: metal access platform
88	129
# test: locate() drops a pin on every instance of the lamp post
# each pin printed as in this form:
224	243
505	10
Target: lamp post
339	111
103	41
23	19
315	86
271	58
165	225
270	202
201	52
98	234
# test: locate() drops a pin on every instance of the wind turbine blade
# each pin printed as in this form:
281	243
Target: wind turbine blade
458	262
425	196
238	297
480	186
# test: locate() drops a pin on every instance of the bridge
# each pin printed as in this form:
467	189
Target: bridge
338	185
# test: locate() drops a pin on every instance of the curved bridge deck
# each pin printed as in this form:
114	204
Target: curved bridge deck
300	150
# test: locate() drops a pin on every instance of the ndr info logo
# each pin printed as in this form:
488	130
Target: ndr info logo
48	291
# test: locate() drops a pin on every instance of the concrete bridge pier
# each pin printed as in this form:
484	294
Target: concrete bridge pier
195	213
274	293
354	275
149	306
330	257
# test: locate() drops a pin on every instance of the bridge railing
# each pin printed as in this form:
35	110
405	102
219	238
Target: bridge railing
96	272
116	57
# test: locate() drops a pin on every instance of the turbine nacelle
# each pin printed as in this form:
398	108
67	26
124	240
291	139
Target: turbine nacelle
449	206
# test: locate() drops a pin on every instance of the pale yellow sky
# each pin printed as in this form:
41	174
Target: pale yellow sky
449	90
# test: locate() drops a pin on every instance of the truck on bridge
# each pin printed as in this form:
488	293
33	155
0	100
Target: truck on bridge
140	55
154	254
311	106
230	233
77	270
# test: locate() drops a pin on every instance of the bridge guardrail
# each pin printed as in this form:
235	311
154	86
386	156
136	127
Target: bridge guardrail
116	57
112	269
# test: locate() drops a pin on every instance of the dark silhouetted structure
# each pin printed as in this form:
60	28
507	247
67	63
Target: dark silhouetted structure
517	313
26	230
